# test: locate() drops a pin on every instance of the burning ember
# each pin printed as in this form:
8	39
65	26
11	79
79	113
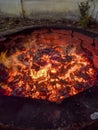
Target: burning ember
42	69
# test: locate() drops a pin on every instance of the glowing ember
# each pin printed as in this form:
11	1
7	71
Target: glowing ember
45	71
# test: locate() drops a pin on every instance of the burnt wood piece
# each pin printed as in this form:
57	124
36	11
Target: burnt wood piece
73	113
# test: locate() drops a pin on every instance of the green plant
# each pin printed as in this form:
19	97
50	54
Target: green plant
85	16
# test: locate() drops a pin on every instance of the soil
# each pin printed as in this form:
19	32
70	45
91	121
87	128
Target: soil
7	23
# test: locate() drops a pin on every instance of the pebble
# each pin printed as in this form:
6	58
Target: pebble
94	116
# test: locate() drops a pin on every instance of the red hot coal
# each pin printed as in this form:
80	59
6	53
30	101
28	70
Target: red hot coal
47	64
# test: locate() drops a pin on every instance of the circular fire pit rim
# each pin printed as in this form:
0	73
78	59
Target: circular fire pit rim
37	27
57	110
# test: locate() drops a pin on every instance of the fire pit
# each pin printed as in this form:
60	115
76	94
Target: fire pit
47	65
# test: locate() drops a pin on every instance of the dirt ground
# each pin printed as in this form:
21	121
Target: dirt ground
7	23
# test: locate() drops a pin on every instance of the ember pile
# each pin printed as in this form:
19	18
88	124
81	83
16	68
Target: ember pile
45	69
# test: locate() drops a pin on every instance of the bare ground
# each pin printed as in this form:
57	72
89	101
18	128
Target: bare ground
7	23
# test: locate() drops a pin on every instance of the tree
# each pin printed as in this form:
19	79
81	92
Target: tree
22	8
85	16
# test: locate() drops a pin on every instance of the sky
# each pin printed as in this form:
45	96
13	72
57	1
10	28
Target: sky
35	5
13	6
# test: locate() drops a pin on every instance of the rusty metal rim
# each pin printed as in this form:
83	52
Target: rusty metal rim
37	27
